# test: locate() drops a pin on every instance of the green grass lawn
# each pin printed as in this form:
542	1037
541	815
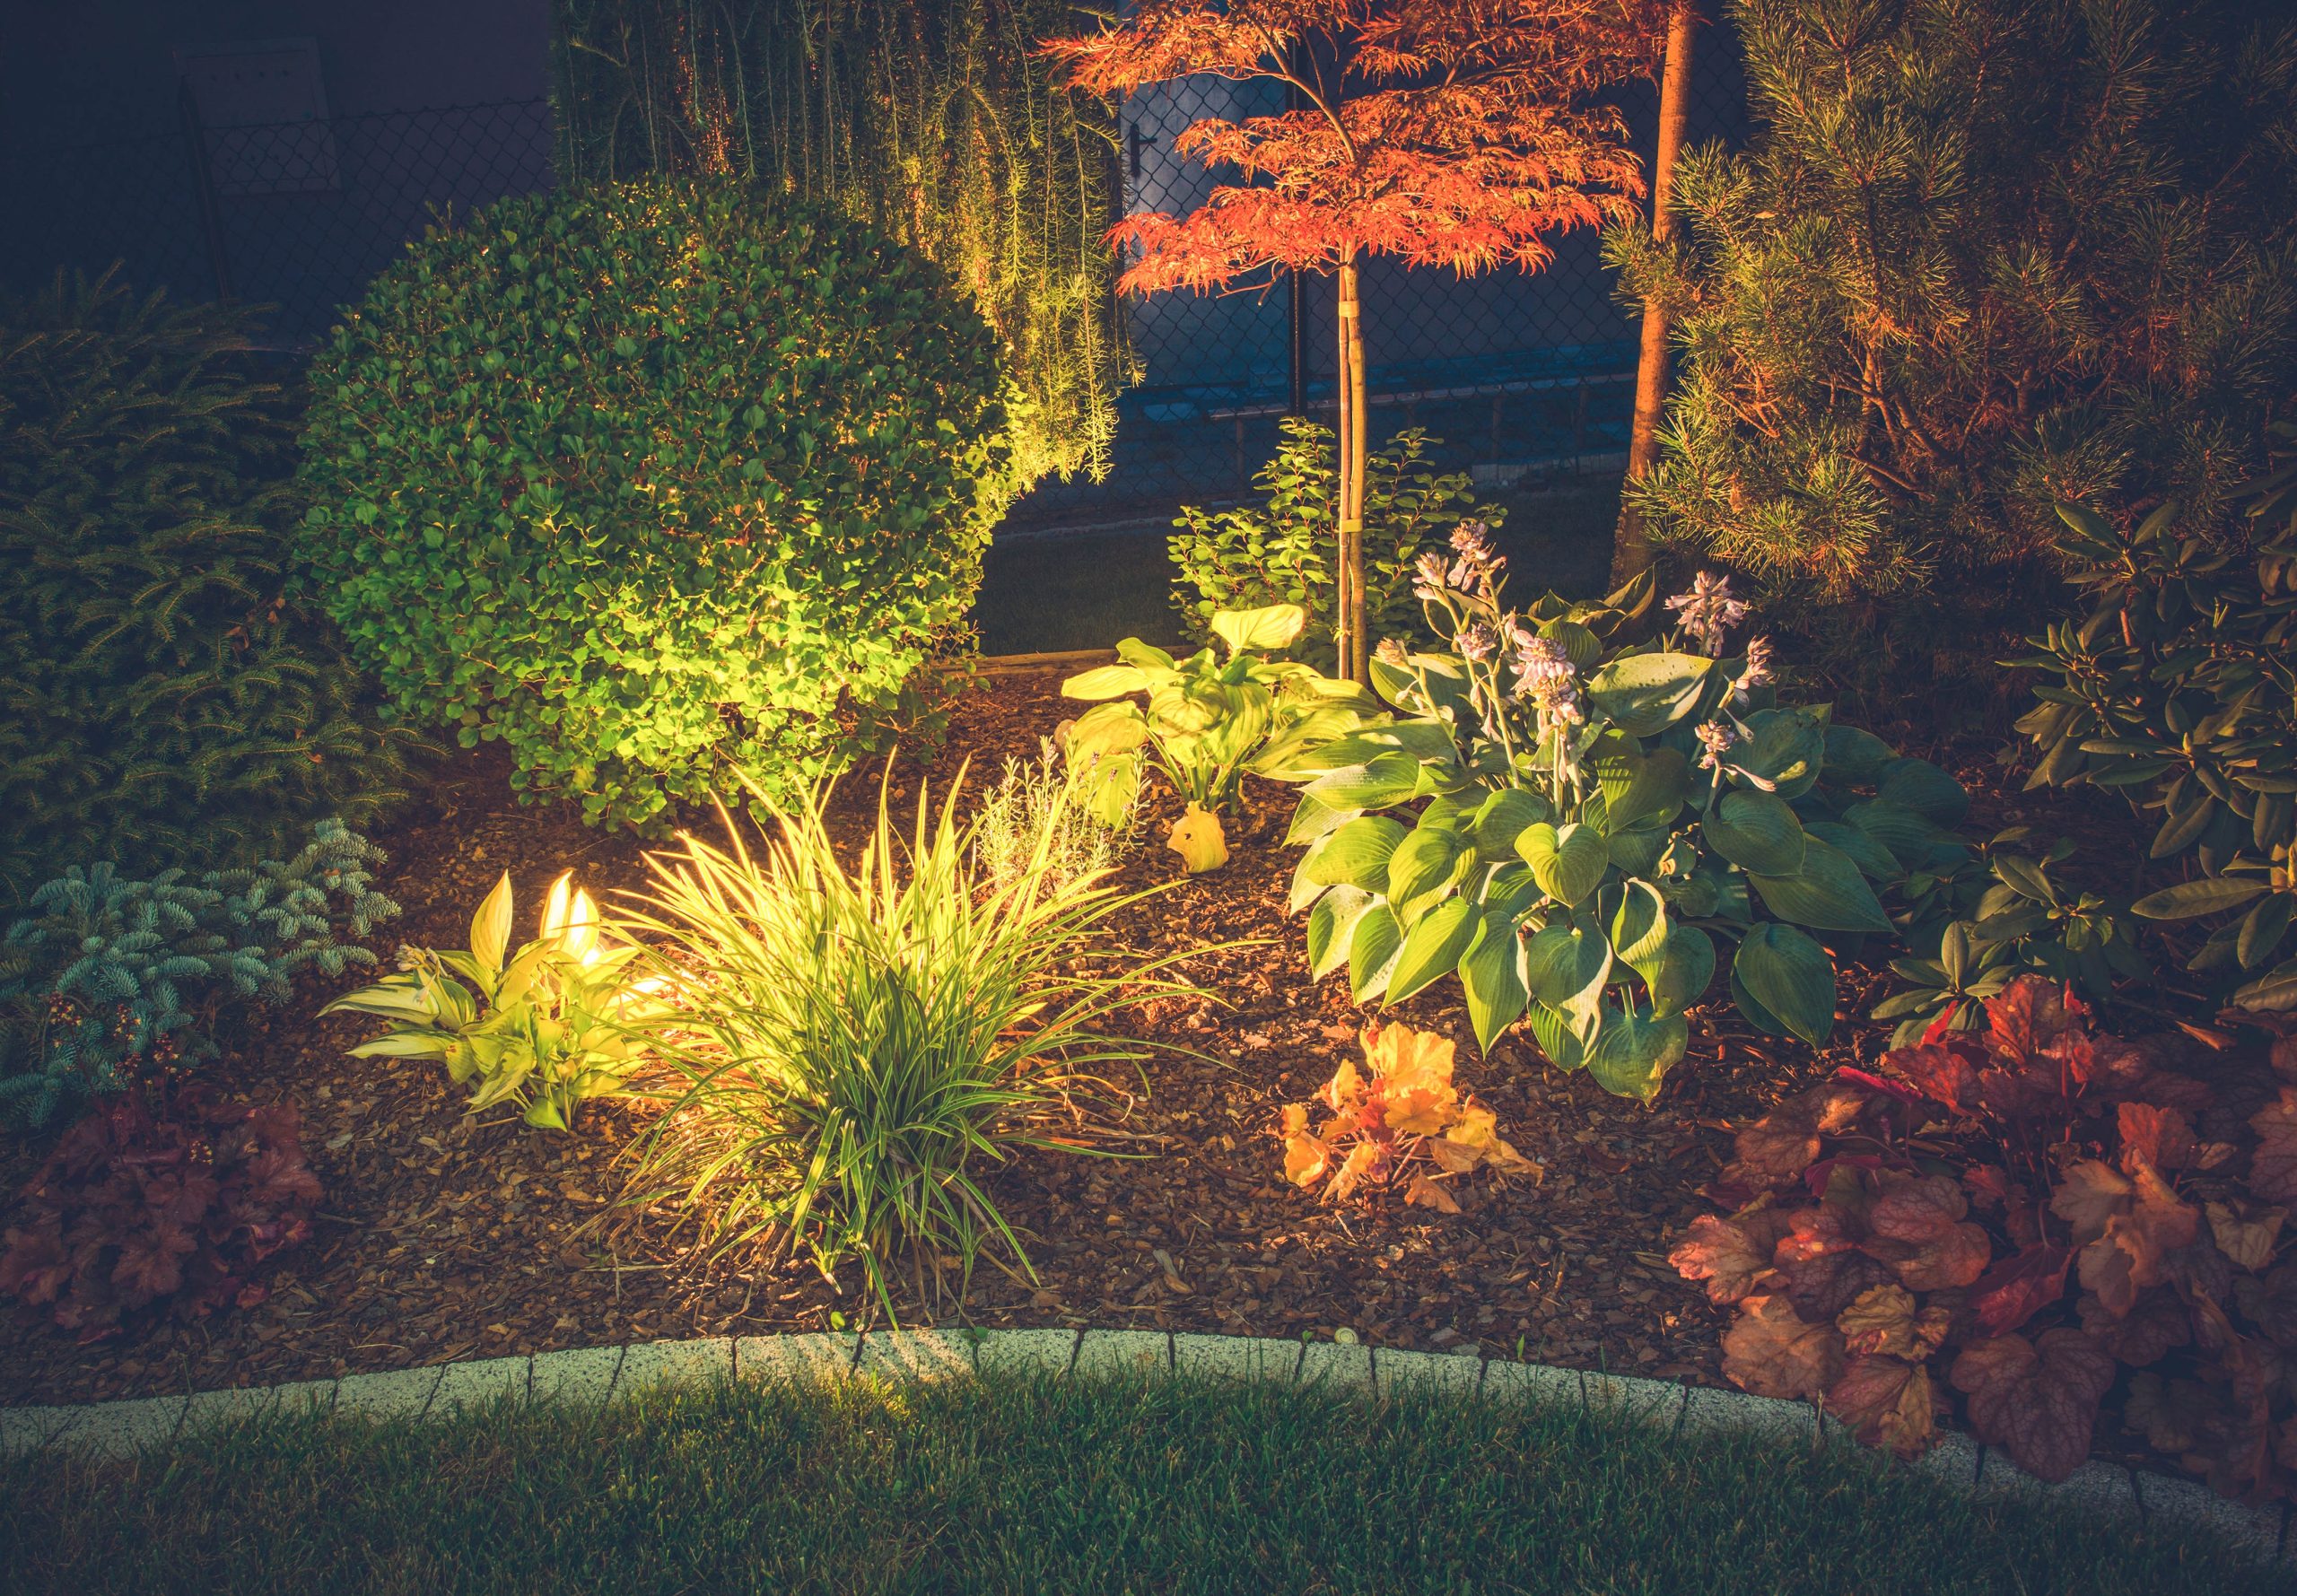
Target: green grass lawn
1049	592
1027	1485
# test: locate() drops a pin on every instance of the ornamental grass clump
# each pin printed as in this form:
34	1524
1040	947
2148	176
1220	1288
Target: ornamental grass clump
852	1049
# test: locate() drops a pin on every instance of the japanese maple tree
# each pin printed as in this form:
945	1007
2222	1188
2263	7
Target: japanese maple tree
1462	133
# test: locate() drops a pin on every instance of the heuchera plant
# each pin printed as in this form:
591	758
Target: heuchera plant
134	1211
1406	1116
1592	817
2034	1218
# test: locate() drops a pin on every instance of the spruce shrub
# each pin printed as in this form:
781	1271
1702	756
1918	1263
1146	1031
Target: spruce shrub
652	480
168	704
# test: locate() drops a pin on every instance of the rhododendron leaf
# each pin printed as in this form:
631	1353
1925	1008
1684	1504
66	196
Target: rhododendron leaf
1886	1402
1771	1352
2018	1286
2273	1166
2037	1400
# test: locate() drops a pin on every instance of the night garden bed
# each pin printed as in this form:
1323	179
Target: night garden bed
440	1239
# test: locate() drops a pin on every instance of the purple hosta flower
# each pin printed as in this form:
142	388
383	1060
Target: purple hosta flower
1708	610
1715	736
1476	644
1757	673
1427	577
1391	651
1544	675
1472	542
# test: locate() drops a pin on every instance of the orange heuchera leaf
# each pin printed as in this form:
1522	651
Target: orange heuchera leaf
1729	1254
1414	1071
1884	1319
1769	1351
2090	1194
1305	1159
1354	1170
1886	1402
1427	1193
2037	1400
2246	1234
1345	1088
2273	1167
2161	1137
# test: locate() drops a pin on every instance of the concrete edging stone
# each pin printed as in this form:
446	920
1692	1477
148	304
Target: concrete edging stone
597	1376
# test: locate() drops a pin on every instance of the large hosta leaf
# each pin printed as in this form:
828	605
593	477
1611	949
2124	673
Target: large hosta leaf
1569	863
1388	778
1355	855
1643	695
1785	749
1759	832
1372	951
1426	865
1922	786
1567	966
1492	974
1332	925
1686	971
1634	1049
1791	979
1653	792
1432	948
1557	1036
1501	819
1638	928
1828	893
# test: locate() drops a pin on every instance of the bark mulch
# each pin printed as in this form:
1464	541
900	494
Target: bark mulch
444	1238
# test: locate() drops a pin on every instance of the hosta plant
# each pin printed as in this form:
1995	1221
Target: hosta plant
851	1047
2179	689
1571	824
1404	1117
545	1029
1209	718
136	1213
2039	1218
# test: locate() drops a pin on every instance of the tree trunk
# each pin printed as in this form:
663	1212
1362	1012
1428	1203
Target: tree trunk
1631	551
1355	649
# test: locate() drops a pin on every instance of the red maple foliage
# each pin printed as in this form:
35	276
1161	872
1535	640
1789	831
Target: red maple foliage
1461	134
134	1211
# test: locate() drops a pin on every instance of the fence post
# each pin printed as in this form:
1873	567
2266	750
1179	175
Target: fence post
204	188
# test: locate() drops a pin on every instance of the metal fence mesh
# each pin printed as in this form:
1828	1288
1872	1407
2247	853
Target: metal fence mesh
1518	375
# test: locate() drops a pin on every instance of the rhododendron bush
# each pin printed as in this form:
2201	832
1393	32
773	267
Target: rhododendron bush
1405	1119
2037	1219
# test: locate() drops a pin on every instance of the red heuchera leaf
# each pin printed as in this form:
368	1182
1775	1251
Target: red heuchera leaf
2139	1243
2026	1017
132	1212
2088	1196
1887	1402
2158	1324
2037	1400
2174	1416
1920	1234
2273	1167
2018	1286
1946	1075
1875	1083
1776	1149
2152	1134
1729	1254
2236	1453
1988	1184
1769	1351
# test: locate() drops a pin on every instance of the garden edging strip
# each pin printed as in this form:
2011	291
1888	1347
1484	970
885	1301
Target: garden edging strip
597	1374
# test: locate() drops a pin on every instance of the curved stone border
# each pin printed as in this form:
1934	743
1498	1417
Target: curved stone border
597	1374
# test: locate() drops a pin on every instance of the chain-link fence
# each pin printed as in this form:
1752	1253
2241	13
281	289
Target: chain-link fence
1518	375
298	216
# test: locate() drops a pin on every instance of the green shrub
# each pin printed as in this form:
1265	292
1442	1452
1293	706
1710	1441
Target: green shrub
652	480
110	979
2179	691
1280	551
851	1051
167	704
1593	817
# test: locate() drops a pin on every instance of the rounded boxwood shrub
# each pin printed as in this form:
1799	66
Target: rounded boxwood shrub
653	480
164	701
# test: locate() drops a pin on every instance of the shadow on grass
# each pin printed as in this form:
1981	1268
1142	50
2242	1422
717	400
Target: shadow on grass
1023	1485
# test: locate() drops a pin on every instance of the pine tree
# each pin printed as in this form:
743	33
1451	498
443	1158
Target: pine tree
166	701
1983	255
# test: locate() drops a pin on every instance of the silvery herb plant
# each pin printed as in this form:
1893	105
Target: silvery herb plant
1572	824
